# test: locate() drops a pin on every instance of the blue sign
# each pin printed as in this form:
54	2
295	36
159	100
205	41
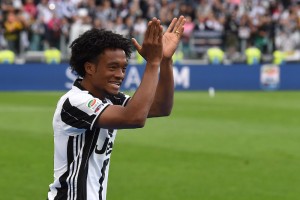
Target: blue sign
186	77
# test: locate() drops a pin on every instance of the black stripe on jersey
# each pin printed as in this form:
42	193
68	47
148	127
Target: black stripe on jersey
117	99
126	101
62	192
105	163
91	138
74	171
75	117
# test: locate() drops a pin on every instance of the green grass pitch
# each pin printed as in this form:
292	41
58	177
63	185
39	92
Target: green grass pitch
235	146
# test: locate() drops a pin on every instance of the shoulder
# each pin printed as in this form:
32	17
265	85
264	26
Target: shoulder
76	98
119	99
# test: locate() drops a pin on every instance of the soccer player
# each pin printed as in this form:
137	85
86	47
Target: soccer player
88	116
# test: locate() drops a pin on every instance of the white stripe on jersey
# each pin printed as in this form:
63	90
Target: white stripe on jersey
73	175
80	144
81	151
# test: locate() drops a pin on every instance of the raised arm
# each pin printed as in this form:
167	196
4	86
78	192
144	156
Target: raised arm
163	101
135	113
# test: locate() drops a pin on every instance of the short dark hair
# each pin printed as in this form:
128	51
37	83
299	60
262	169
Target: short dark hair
88	46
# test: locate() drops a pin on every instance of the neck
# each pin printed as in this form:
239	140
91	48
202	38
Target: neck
90	88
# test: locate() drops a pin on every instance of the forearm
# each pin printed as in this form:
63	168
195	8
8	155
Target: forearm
163	101
142	100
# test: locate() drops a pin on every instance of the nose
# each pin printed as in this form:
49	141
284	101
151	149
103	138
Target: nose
120	73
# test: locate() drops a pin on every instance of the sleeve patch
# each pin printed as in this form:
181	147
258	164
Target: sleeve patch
94	104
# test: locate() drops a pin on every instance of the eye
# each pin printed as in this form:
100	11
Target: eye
112	68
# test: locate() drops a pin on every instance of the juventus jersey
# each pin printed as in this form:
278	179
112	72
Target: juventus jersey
81	150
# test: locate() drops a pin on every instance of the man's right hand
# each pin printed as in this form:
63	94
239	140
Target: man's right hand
152	47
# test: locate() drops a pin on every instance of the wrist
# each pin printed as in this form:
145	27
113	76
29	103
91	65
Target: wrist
154	64
167	61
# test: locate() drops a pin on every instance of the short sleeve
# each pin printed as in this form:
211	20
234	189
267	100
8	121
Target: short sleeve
81	111
119	99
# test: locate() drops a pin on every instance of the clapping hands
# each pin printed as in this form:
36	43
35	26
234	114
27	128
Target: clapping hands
152	47
172	36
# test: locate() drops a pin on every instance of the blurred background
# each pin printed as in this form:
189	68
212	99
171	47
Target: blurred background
234	130
29	27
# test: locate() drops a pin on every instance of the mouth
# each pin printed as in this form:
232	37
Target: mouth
116	84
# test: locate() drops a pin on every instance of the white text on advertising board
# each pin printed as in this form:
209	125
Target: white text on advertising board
133	78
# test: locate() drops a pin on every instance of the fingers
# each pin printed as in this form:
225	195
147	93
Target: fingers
181	23
177	26
151	28
152	44
136	45
155	29
160	36
157	32
171	26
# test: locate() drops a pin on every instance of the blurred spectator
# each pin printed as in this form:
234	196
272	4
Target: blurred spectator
287	41
244	32
253	55
152	9
231	41
178	56
262	34
139	29
52	56
229	24
128	28
186	36
26	20
202	7
37	32
215	55
66	9
64	38
105	13
30	8
97	23
53	30
119	26
3	43
7	57
164	11
288	35
12	29
44	12
213	23
278	57
200	23
82	23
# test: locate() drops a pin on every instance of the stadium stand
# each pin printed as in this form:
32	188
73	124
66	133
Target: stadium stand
28	27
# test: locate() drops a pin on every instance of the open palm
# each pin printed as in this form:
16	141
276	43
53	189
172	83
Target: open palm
171	37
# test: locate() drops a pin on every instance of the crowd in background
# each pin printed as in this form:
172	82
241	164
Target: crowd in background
36	25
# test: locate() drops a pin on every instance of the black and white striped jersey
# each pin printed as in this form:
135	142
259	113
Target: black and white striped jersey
81	151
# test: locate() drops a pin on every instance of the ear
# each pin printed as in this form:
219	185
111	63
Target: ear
90	68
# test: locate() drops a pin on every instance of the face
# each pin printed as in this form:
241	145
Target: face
109	72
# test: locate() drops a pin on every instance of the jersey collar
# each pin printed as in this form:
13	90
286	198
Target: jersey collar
78	85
